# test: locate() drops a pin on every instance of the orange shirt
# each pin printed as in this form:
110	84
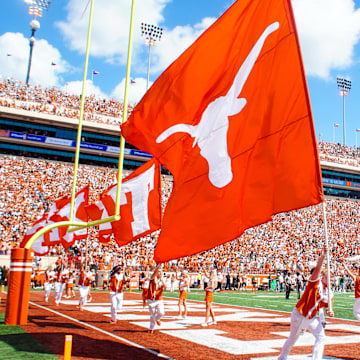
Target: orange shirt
312	300
357	287
84	279
117	283
155	291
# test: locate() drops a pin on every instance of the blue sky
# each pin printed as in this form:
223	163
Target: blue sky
329	32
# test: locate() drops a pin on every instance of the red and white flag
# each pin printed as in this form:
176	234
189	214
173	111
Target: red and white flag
80	215
231	119
59	211
140	206
42	244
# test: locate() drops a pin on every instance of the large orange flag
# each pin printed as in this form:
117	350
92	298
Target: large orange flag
231	119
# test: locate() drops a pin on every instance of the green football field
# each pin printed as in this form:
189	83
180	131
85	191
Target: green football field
16	344
342	306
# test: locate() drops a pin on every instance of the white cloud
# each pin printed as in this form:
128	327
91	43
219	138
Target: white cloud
328	31
42	72
75	88
135	91
110	27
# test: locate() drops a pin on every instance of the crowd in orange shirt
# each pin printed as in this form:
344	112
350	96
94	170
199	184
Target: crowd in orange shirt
30	186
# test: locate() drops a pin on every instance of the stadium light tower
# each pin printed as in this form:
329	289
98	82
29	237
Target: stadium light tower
356	134
344	86
36	8
152	34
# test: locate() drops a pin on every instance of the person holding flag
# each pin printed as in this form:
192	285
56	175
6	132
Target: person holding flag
61	275
118	282
84	286
145	288
49	275
316	296
356	278
155	299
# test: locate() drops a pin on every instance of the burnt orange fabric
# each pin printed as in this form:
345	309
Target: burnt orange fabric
209	296
310	302
271	140
154	292
183	294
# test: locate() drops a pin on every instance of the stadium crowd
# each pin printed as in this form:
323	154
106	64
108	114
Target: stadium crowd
15	94
28	187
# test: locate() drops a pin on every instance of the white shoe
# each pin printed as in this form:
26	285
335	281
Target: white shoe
204	324
212	323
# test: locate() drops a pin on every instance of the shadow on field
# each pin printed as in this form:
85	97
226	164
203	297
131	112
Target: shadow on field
21	342
44	321
91	347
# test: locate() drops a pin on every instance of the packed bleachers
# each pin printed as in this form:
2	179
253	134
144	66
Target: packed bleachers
29	186
16	94
339	154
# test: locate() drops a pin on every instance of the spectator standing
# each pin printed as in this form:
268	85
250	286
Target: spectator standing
288	283
299	284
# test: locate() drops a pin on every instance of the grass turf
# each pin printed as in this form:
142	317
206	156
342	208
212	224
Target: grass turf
16	344
342	306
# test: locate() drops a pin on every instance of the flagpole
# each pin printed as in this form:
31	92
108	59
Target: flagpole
327	254
78	140
124	117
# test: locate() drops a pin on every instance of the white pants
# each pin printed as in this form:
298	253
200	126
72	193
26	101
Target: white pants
83	294
357	308
299	323
58	288
47	290
156	310
117	300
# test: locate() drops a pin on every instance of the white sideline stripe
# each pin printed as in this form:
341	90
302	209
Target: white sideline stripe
22	263
21	269
104	332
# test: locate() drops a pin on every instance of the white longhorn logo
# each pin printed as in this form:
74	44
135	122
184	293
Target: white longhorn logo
211	132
